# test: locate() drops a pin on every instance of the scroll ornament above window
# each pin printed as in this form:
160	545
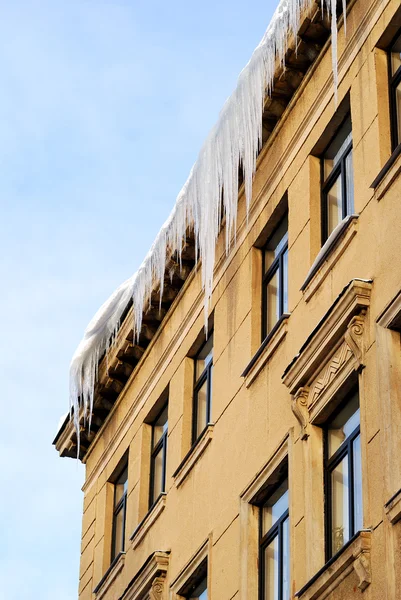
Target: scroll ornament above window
333	354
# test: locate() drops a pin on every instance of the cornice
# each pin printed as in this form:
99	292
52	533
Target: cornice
354	299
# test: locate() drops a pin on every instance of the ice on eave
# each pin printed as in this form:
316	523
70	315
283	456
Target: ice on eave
235	140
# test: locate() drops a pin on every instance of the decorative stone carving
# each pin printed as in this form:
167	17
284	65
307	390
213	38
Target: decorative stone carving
354	337
321	383
329	334
299	405
148	584
340	358
362	569
156	593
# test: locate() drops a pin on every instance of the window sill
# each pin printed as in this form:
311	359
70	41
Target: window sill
193	455
110	576
329	254
266	350
354	556
393	508
152	515
388	174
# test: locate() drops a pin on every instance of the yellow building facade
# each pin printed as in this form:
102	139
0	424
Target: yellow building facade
261	461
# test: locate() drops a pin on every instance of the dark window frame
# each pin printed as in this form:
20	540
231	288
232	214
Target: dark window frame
326	184
394	81
346	449
161	445
206	375
264	540
121	506
276	266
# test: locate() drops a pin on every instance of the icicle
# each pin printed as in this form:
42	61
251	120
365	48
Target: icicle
233	142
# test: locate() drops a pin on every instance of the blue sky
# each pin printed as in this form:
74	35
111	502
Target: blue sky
103	109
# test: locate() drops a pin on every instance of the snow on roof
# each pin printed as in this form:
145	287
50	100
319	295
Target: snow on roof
235	140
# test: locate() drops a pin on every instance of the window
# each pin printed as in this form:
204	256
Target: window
343	472
275	277
395	90
337	180
200	592
119	513
202	388
274	546
158	456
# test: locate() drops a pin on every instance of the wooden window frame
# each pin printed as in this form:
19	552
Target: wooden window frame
276	266
344	450
205	376
394	81
326	184
160	446
276	531
121	506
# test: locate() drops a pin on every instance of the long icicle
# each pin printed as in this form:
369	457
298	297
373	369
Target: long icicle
235	140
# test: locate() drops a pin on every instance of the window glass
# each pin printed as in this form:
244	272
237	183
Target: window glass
285	281
395	91
160	426
200	593
337	147
119	511
271	570
398	109
210	391
274	545
158	468
120	486
344	475
275	506
273	301
349	183
340	505
338	180
334	205
357	464
202	398
276	243
118	532
286	559
343	424
201	405
275	277
204	357
396	56
158	456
